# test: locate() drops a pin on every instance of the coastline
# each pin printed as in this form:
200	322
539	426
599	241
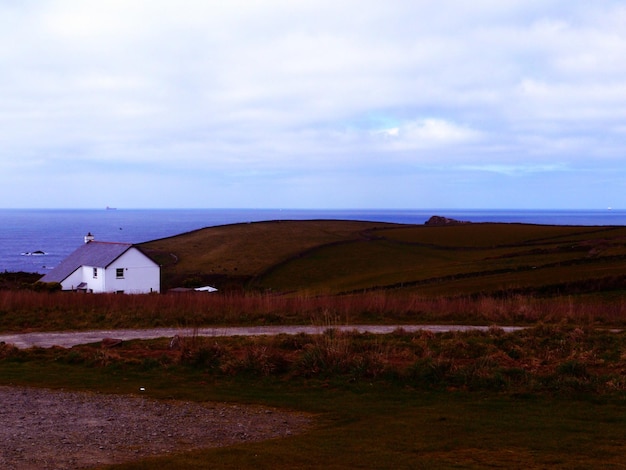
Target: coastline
58	232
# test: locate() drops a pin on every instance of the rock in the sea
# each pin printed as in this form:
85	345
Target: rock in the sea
439	220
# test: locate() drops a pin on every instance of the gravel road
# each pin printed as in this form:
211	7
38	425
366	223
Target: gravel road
68	339
46	429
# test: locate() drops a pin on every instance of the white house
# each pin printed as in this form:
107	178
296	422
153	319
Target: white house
107	267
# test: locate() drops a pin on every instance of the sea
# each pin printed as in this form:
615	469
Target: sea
36	240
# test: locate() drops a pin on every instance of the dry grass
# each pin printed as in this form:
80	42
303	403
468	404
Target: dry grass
545	358
25	310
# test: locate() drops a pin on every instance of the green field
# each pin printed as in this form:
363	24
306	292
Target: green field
234	254
330	257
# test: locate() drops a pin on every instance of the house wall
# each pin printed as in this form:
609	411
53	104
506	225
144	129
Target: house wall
141	274
95	284
73	280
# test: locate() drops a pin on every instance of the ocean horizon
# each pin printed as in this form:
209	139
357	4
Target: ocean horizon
36	240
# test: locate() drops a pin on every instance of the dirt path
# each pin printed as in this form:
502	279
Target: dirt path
46	429
68	339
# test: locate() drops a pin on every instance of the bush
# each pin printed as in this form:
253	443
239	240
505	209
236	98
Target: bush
263	361
47	286
428	371
573	368
203	356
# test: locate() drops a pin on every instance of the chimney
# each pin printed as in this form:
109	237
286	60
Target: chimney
89	237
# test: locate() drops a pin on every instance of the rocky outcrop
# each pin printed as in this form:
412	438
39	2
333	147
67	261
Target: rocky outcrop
439	220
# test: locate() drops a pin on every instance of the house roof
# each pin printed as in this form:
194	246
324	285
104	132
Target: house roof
96	254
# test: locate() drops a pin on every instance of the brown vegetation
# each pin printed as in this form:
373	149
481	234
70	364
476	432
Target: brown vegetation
544	358
27	310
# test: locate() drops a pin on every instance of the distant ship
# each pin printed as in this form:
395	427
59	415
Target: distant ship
111	208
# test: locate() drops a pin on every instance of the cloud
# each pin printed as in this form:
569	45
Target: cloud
428	133
516	170
275	90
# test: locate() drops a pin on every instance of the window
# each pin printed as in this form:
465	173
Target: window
119	273
95	273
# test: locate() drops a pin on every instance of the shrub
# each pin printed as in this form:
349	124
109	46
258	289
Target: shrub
481	374
47	286
573	368
203	356
428	371
263	361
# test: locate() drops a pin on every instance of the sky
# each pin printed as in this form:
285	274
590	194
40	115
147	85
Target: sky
490	104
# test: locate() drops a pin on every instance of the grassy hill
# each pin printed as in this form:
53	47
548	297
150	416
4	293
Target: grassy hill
231	256
328	256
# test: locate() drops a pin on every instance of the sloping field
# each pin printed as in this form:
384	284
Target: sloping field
462	259
240	251
343	256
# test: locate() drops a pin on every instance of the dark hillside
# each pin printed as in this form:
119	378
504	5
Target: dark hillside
328	256
231	255
462	259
